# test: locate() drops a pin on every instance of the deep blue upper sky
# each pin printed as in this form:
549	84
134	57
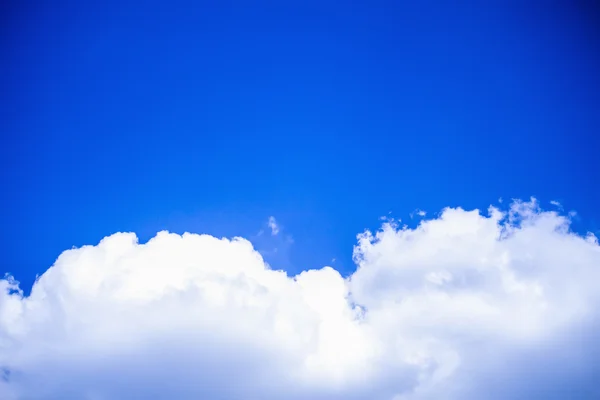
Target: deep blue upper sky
212	116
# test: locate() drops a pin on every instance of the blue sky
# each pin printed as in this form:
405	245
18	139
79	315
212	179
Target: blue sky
212	117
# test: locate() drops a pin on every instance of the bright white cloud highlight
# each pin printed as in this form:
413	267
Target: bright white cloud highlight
442	311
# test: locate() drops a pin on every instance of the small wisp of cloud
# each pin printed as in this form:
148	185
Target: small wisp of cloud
273	225
556	204
418	213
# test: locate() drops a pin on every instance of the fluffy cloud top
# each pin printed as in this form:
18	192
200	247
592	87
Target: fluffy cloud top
465	306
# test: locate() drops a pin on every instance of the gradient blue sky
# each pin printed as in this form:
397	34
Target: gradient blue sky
213	116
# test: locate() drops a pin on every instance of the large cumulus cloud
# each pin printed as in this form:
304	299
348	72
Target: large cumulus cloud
464	306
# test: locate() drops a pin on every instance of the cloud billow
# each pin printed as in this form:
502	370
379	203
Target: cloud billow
459	307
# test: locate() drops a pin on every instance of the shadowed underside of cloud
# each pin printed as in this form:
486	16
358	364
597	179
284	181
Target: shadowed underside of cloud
464	306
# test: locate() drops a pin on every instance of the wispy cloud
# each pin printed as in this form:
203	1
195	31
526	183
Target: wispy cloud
273	225
418	213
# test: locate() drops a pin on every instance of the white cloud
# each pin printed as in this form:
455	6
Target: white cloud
459	305
418	213
273	225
